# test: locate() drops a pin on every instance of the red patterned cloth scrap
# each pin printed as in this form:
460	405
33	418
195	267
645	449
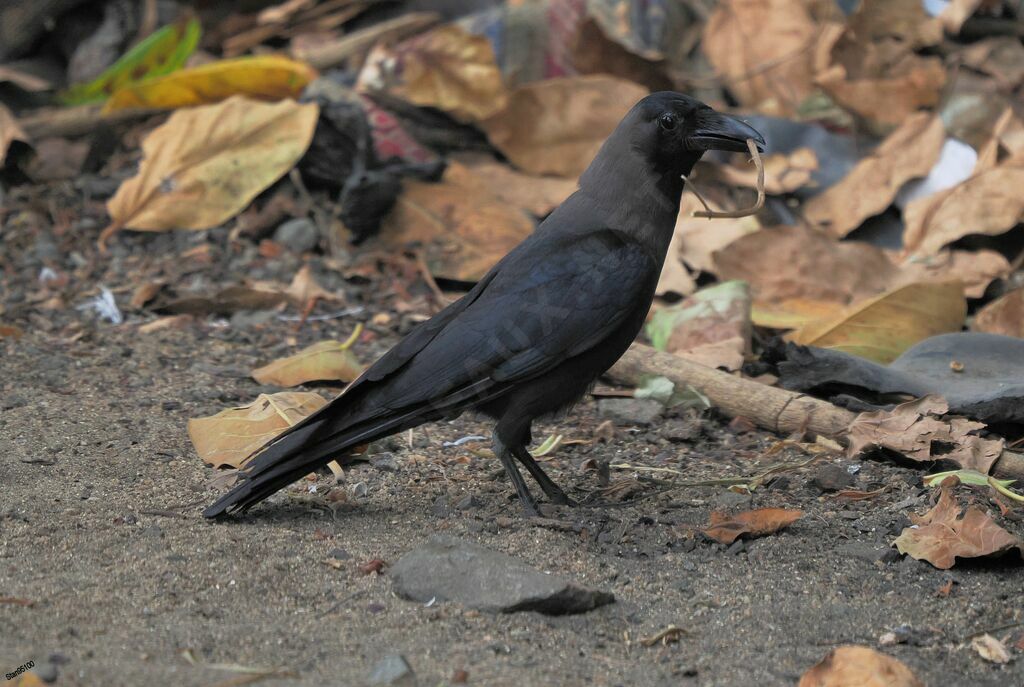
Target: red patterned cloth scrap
390	140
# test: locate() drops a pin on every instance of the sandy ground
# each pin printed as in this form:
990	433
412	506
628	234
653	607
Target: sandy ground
100	530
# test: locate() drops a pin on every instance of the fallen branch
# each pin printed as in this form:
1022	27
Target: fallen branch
745	212
333	53
771	408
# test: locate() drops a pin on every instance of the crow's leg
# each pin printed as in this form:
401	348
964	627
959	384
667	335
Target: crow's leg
547	485
509	463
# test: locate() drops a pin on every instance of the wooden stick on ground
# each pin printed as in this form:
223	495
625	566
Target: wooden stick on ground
768	407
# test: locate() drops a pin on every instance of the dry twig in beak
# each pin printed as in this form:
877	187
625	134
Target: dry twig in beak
745	212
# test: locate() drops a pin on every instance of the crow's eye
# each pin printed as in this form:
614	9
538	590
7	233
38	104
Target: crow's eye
667	122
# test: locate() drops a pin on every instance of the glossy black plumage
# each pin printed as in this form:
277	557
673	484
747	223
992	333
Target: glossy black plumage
541	326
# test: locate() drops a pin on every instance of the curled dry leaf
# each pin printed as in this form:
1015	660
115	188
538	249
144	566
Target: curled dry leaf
940	536
326	361
783	172
725	529
1005	315
988	203
556	126
976	269
870	187
990	649
205	164
464	227
448	68
232	436
772	76
859	666
267	77
881	328
918	431
711	327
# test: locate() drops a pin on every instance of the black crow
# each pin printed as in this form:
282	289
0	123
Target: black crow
532	336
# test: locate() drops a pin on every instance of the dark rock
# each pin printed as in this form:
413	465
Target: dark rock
681	429
630	411
385	462
736	547
469	502
392	670
340	554
47	672
448	569
832	477
298	235
890	556
727	500
862	550
441	507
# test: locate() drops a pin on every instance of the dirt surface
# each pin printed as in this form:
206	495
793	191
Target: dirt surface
109	573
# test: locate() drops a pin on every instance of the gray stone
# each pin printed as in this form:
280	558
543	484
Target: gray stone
47	672
630	411
448	569
385	462
862	550
298	235
392	670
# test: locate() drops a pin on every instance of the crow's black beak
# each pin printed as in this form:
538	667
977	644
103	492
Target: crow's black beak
717	131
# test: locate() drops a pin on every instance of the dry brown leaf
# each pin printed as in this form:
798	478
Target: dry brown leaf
326	361
711	327
918	431
1006	141
870	187
9	331
1005	315
725	529
206	163
10	131
556	126
976	269
536	194
56	159
990	649
817	267
783	172
447	68
230	437
940	536
792	313
772	76
674	277
465	230
304	288
988	203
1002	58
869	65
881	328
859	666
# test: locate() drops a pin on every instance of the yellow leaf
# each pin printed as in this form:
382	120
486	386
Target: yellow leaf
792	313
323	361
231	436
268	77
881	328
205	164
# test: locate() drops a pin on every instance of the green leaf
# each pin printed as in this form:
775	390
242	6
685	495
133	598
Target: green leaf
162	52
663	390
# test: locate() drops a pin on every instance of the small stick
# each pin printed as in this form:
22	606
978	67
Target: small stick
745	212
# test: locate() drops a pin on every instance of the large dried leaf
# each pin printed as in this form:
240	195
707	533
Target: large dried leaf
882	327
326	361
988	203
205	164
940	536
859	666
976	269
464	228
556	126
1005	315
10	131
1002	58
232	436
162	52
870	187
447	68
726	529
696	239
918	431
990	649
538	195
267	77
817	267
773	76
711	327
